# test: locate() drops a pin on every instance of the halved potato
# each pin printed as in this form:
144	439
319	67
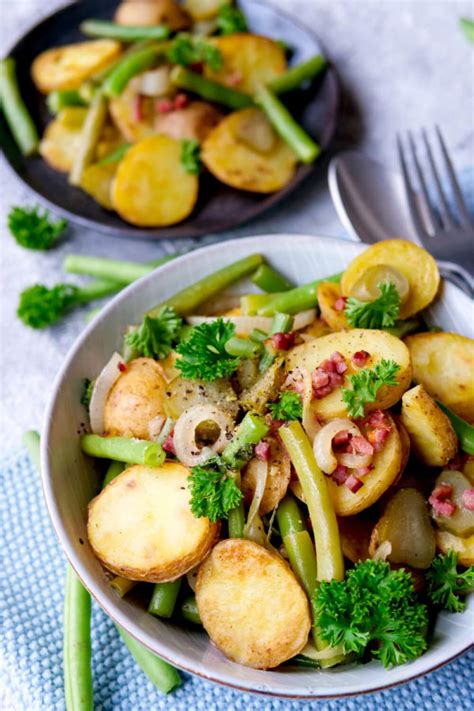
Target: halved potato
251	604
97	181
415	263
67	67
236	164
135	400
278	478
153	12
444	364
385	472
328	294
355	535
248	60
378	344
464	547
152	188
60	142
141	526
431	433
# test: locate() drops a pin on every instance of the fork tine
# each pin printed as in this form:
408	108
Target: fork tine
458	197
444	208
410	195
421	179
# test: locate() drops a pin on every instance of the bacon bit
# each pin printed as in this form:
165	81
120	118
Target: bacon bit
319	378
273	425
440	500
467	499
360	358
362	471
180	101
328	375
233	79
340	303
353	483
168	444
359	445
379	421
340	475
377	438
341	438
262	451
283	341
137	108
164	106
122	367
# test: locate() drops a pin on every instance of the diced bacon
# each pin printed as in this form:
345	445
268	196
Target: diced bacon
180	101
467	499
443	508
319	378
137	108
322	392
122	367
328	375
298	387
273	425
341	438
168	444
329	366
377	438
262	451
359	445
335	380
379	421
360	358
283	341
353	483
363	471
440	500
341	368
340	475
340	303
164	106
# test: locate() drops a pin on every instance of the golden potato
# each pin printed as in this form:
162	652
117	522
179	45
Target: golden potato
385	472
97	181
195	121
328	294
444	364
67	67
135	399
278	478
464	547
415	263
405	443
153	12
141	526
431	433
203	9
234	163
109	141
248	60
60	142
251	604
355	535
378	344
152	188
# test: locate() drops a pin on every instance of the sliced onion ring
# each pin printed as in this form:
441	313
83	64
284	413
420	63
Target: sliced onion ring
184	437
261	473
322	445
107	378
244	325
354	461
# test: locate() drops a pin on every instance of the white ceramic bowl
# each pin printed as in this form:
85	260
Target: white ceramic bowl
70	480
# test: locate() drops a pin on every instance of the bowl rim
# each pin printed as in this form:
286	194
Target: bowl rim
261	243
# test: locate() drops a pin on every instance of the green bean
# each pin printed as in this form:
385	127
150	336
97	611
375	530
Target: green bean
90	133
114	469
282	323
463	429
77	645
250	304
403	328
129	67
286	126
467	27
165	677
209	90
258	335
122	586
103	268
186	301
123	449
19	120
243	347
236	521
251	430
295	76
62	99
115	156
164	598
31	440
269	280
189	610
123	33
298	299
298	543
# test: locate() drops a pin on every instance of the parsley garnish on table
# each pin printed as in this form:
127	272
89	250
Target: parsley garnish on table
186	50
374	610
366	384
288	407
203	353
380	313
156	336
446	583
33	228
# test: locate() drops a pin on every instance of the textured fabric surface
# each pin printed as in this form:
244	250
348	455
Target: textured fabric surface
31	599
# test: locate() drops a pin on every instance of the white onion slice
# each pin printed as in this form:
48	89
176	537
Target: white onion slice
244	325
184	437
383	551
322	445
261	473
354	461
191	576
155	426
156	82
103	385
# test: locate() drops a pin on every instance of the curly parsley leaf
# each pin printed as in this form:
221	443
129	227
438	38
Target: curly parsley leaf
366	384
156	336
87	392
213	490
446	583
33	228
374	609
190	156
380	313
203	353
231	20
288	407
186	50
41	306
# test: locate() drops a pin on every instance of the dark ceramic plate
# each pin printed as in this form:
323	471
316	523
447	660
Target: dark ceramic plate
219	207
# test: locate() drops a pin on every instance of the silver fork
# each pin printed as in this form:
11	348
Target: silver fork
448	234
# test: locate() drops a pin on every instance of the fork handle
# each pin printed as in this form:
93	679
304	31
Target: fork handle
459	276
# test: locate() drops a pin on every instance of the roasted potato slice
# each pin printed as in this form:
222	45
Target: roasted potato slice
431	433
464	547
444	364
153	12
135	399
355	537
406	525
415	263
182	394
378	344
461	522
152	188
236	164
60	142
195	121
67	67
328	294
141	526
278	478
97	181
385	472
248	60
251	604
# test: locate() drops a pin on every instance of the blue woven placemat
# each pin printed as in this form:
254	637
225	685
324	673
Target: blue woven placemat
32	580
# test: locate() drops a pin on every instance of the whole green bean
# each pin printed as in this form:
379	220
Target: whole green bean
103	268
285	125
77	645
251	430
123	449
131	65
90	133
298	543
282	323
250	304
189	610
114	469
296	300
269	280
165	677
123	33
59	100
295	76
208	89
19	120
164	598
243	347
115	156
186	301
122	586
463	429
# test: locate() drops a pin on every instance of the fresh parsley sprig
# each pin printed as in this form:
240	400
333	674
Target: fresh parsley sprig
33	228
374	609
380	313
203	353
288	407
186	50
446	583
191	156
231	20
366	384
156	336
213	490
